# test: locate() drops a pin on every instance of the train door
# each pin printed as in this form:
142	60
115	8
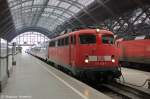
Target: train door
72	50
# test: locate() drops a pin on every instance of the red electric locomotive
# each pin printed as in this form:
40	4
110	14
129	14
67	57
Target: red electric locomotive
86	51
134	51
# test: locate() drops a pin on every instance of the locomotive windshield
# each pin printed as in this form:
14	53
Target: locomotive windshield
87	39
107	39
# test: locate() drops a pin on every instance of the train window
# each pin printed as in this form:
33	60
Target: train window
59	42
62	42
147	37
66	40
87	39
52	44
107	39
71	39
74	39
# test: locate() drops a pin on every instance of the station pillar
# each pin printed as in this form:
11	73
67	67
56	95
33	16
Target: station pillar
13	54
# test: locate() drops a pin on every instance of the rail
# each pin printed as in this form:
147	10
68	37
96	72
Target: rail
128	91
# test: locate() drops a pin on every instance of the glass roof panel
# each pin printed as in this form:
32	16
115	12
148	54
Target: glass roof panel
85	2
67	15
49	16
58	11
13	2
74	9
48	9
27	10
64	5
34	9
53	2
16	7
45	14
27	4
24	0
53	16
38	2
62	20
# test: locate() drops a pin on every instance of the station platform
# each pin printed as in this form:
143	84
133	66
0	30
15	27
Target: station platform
135	77
34	79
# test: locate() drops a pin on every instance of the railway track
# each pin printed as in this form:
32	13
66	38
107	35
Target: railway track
127	91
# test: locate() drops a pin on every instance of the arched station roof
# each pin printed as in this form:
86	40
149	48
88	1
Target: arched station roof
52	16
47	14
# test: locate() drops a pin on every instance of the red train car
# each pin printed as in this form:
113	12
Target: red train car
134	51
89	51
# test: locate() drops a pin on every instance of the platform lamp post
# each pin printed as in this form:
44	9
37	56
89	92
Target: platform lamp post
7	70
13	53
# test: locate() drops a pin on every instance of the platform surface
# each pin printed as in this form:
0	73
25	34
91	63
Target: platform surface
34	79
135	77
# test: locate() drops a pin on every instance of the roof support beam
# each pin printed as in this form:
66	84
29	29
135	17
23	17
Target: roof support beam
9	26
103	4
130	24
77	4
22	17
38	16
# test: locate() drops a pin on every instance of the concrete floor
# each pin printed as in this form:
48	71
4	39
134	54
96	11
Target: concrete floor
33	79
135	77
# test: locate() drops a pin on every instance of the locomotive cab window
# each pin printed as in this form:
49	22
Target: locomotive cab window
107	39
87	39
73	39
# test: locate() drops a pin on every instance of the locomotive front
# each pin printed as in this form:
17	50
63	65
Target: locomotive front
97	53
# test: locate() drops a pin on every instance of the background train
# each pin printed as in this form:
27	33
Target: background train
88	52
135	52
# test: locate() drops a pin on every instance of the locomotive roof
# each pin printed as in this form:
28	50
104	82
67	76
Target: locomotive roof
102	31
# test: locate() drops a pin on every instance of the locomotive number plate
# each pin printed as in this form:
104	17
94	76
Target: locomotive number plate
104	58
92	58
107	58
99	58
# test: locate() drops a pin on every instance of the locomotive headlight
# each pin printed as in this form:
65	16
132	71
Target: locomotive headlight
86	60
97	30
113	60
